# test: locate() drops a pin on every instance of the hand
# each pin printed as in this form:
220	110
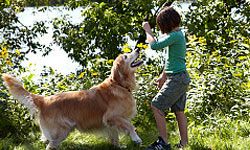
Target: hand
161	80
149	33
146	26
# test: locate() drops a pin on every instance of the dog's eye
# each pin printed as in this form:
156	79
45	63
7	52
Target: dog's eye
125	56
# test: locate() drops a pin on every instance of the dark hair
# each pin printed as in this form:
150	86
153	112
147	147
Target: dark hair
168	19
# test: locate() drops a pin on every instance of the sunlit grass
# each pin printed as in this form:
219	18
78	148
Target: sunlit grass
229	134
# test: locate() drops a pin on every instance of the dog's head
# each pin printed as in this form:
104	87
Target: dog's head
124	68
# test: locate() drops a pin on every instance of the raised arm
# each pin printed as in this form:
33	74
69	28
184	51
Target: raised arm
150	36
161	43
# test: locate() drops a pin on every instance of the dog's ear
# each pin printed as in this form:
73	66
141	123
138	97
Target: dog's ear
116	74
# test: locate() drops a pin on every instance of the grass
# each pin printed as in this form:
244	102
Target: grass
227	134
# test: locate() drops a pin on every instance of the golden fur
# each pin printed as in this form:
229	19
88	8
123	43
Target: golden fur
109	105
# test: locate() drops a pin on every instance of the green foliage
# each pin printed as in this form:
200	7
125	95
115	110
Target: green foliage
105	28
15	120
146	76
16	40
15	35
218	58
38	3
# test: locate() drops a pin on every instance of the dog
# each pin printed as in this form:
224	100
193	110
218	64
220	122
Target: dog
109	105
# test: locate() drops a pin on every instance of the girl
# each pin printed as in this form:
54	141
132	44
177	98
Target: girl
174	80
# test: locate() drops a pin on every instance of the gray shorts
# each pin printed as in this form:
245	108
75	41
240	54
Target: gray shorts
173	93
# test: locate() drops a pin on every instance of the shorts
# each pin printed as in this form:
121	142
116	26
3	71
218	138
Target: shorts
173	93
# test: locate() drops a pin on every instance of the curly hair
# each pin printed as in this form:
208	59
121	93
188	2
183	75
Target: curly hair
168	19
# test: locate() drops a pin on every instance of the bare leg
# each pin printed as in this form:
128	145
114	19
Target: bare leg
182	124
161	123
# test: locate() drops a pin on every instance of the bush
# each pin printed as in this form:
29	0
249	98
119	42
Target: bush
218	58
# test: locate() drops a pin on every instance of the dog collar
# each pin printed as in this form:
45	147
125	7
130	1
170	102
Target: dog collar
121	85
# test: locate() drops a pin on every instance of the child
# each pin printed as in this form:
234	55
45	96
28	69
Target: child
173	81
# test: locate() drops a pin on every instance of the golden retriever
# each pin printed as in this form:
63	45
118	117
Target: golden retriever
109	105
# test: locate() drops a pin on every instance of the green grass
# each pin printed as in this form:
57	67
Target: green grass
227	134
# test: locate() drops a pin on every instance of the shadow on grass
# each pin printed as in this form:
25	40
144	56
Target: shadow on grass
98	146
84	141
81	141
198	146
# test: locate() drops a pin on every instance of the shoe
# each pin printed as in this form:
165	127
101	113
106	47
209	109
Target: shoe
159	145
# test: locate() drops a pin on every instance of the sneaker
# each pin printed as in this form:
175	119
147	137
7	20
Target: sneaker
159	145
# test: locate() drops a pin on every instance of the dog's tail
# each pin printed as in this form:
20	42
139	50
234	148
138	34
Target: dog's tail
31	101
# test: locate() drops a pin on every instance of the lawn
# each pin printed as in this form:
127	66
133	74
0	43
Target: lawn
226	135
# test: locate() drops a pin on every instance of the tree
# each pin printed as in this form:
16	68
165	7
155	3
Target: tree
105	28
219	55
16	40
15	35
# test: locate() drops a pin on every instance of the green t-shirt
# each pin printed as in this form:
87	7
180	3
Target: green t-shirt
175	45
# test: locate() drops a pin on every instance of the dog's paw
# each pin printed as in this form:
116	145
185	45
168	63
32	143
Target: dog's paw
138	140
135	138
43	139
49	147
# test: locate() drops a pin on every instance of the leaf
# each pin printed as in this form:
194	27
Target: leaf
246	45
110	61
126	48
30	77
94	73
81	75
237	74
4	53
17	52
242	57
